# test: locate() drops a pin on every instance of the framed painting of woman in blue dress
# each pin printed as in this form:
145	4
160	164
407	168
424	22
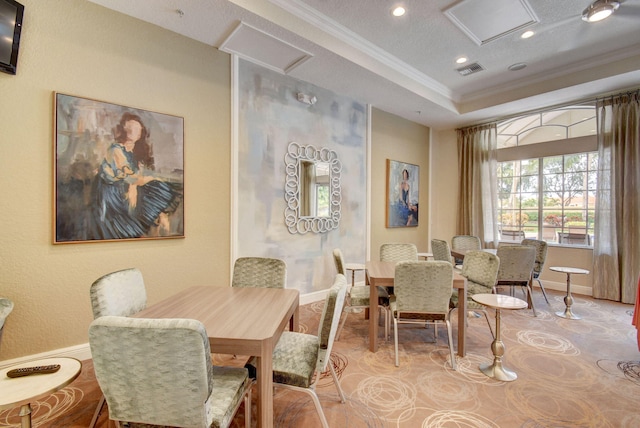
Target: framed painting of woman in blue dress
119	172
402	194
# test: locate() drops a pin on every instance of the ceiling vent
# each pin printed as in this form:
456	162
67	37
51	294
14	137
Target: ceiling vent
470	69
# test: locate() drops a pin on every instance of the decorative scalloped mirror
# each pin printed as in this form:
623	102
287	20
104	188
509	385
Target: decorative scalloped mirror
312	189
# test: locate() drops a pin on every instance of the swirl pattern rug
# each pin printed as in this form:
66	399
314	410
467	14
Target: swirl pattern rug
571	373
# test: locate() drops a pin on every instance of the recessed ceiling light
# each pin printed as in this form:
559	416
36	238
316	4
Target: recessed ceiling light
599	10
517	66
527	34
462	60
398	11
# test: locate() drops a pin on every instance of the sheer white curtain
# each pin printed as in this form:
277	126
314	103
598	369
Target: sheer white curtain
477	184
617	228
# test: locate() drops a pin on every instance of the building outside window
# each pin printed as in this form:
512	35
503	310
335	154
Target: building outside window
547	176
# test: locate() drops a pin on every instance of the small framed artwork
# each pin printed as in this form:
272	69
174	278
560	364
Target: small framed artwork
119	172
403	181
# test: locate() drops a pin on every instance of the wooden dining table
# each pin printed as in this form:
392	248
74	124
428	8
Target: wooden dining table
239	321
459	254
382	274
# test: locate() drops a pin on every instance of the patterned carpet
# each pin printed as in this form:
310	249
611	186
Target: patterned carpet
571	373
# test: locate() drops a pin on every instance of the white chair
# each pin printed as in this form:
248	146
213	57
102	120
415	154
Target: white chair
121	293
298	358
159	372
422	291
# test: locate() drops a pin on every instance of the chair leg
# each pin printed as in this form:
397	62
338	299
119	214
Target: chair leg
247	408
96	414
451	354
395	339
544	293
316	402
336	381
530	299
344	320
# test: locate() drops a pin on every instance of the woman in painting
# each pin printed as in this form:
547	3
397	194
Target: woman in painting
131	202
408	212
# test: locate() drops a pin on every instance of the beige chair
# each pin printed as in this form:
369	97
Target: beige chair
541	257
466	243
398	252
159	372
299	359
259	272
481	270
121	293
422	291
358	297
441	251
6	306
516	268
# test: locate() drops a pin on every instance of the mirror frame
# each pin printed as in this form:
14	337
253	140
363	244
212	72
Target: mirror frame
296	223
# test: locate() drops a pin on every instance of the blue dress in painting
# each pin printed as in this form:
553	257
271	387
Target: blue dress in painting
115	216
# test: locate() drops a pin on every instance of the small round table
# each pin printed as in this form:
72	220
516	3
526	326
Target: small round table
498	301
425	256
21	391
568	300
353	267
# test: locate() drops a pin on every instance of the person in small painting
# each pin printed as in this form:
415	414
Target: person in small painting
130	201
407	212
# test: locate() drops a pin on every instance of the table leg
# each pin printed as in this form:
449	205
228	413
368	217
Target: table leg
373	317
264	375
568	301
496	370
25	416
294	321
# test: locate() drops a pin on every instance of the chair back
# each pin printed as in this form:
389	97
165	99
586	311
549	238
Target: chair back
339	261
516	263
259	272
153	371
398	252
541	254
121	293
481	267
441	250
466	242
6	306
424	286
333	305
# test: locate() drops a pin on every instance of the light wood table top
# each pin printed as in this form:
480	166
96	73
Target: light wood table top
459	254
499	301
240	321
382	274
21	391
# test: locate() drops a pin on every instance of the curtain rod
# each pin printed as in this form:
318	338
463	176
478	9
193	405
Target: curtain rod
553	107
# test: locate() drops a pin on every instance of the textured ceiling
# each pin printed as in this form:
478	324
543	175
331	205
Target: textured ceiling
406	65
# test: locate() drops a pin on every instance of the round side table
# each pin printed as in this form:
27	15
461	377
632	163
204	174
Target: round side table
568	300
353	267
21	391
425	256
498	301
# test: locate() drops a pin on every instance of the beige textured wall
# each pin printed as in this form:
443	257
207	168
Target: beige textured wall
79	48
398	139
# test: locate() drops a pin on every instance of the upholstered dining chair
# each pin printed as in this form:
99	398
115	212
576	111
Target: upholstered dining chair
422	291
6	306
358	297
259	272
516	268
481	270
159	372
121	293
465	242
541	257
299	358
398	252
441	251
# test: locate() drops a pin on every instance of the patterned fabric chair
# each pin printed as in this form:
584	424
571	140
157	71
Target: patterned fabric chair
121	293
259	272
299	359
422	291
442	252
481	270
465	242
6	306
159	372
398	252
541	257
358	297
516	268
